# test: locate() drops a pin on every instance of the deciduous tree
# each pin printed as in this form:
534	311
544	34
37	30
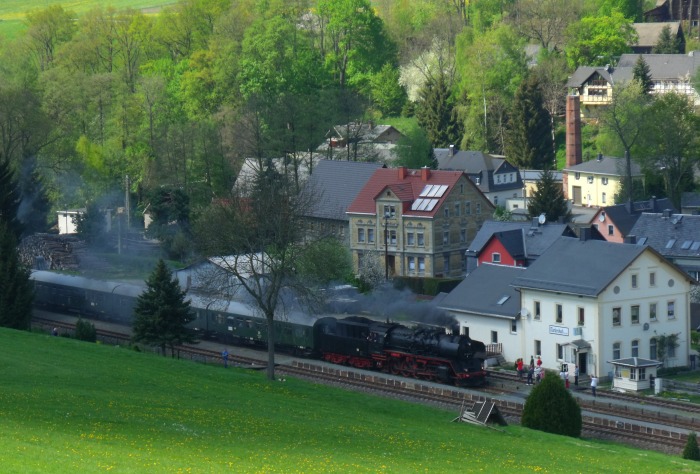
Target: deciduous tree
599	40
161	313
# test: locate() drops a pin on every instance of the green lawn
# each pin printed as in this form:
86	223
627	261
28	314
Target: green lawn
12	12
67	406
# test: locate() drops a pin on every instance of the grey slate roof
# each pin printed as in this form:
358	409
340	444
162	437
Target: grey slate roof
579	267
690	200
481	291
624	219
636	362
648	33
337	183
661	66
581	75
605	165
673	236
536	238
477	164
534	175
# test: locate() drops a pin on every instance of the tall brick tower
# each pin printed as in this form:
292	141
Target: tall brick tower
574	153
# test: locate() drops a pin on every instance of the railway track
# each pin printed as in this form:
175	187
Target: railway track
447	397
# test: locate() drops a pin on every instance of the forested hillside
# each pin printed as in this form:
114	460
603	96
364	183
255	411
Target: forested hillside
177	99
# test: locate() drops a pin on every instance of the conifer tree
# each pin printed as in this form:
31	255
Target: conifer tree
550	407
16	292
667	44
691	450
161	312
528	143
642	74
436	113
9	199
548	199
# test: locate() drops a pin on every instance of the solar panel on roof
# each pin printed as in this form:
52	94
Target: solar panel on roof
433	192
426	190
416	204
433	203
424	204
686	245
441	190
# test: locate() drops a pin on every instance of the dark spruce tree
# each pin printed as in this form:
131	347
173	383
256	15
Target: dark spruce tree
161	312
667	44
642	74
528	140
548	199
436	113
550	407
691	450
16	292
9	199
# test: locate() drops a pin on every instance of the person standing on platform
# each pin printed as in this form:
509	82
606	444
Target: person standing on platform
594	384
224	358
576	376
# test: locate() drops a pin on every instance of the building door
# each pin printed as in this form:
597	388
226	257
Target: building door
577	195
582	363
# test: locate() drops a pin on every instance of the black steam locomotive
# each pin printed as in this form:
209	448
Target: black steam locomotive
423	352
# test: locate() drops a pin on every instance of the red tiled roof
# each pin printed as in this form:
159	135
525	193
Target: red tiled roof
407	189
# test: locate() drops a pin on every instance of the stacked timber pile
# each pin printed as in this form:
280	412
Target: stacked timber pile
52	251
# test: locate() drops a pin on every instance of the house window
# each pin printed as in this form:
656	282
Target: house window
392	237
410	239
421	239
603	198
498	178
581	316
616	350
446	265
538	313
634	314
611	229
560	351
461	188
458	208
616	316
494	337
577	175
496	257
495	200
467	208
560	313
604	181
538	347
635	348
513	326
446	237
634	280
652	279
446	212
389	211
652	311
590	180
411	264
478	208
463	235
361	235
421	265
652	348
671	310
370	236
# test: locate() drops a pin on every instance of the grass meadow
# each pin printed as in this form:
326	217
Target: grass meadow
13	12
69	406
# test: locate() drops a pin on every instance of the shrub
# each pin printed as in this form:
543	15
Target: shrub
551	408
691	450
85	331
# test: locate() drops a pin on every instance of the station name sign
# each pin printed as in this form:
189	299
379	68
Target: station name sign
559	330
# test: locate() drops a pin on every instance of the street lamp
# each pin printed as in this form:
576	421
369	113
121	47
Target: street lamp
386	245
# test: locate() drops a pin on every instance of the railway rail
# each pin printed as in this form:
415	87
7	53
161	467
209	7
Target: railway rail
666	440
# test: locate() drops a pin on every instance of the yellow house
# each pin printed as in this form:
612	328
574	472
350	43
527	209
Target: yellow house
418	222
595	183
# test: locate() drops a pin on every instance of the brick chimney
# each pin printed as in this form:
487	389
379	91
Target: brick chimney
425	174
402	172
573	131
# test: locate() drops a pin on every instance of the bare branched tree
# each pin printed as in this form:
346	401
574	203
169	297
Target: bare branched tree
258	236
